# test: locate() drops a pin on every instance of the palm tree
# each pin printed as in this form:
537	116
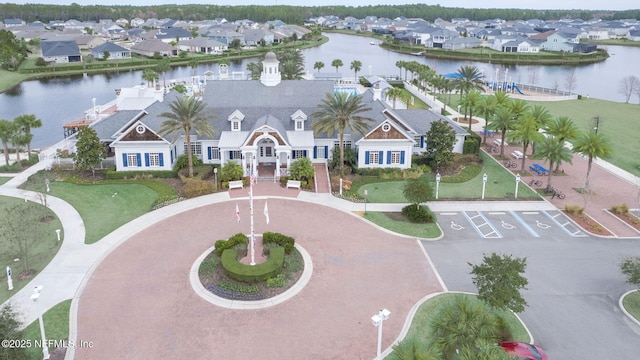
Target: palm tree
149	76
18	138
564	129
26	123
462	325
592	145
504	122
468	78
470	102
487	107
542	117
393	93
339	111
254	69
400	65
336	63
356	66
6	131
518	108
187	114
318	65
526	131
552	148
502	98
291	64
163	66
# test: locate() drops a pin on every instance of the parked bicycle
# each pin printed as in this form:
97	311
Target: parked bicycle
535	182
555	193
510	164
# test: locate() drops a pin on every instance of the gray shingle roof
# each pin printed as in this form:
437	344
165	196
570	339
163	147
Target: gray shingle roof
59	48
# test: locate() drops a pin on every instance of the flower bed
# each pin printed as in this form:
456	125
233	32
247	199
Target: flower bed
628	218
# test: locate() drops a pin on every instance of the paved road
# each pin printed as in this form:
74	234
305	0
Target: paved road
574	279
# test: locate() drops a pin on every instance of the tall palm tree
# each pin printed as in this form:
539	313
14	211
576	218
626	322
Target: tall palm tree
393	93
518	108
336	112
542	117
564	129
502	98
356	66
27	122
400	65
255	70
7	129
149	76
470	101
487	107
163	66
504	122
592	145
553	149
187	114
318	65
468	78
526	131
336	63
291	64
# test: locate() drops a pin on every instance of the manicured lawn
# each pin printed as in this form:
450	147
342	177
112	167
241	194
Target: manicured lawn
425	231
421	329
631	303
4	180
618	122
44	246
56	327
9	79
501	184
118	204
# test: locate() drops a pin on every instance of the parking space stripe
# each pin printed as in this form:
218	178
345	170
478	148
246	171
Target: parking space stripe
524	223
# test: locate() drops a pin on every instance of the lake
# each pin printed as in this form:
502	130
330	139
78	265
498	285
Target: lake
57	101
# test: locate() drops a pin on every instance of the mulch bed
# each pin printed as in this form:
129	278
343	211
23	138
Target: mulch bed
589	224
628	218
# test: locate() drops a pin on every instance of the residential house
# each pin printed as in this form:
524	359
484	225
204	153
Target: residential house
459	43
253	37
438	37
173	34
115	51
633	35
60	51
521	45
558	42
151	47
9	23
267	134
202	45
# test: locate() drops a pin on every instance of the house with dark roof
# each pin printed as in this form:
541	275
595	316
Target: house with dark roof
269	132
60	51
115	51
202	45
151	46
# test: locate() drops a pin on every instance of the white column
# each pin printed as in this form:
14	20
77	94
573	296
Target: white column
221	157
254	163
288	161
244	163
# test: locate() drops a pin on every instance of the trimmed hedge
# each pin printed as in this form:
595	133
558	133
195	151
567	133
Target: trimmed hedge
195	187
222	245
418	214
287	242
120	175
253	273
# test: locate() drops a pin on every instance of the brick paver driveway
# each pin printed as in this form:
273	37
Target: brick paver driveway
139	304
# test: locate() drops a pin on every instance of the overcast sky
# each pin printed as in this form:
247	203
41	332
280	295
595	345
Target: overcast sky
523	4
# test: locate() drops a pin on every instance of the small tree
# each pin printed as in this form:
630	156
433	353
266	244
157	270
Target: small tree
418	191
302	169
231	171
499	280
16	220
336	63
89	150
106	55
631	268
440	140
10	329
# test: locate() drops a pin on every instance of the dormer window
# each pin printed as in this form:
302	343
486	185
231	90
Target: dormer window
235	126
299	117
299	125
235	119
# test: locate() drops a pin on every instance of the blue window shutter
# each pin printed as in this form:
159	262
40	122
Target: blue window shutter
380	157
366	158
401	157
161	159
139	158
146	159
209	152
389	157
315	152
171	155
421	142
230	155
326	152
293	154
124	160
304	153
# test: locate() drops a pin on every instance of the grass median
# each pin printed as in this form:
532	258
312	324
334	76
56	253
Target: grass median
631	303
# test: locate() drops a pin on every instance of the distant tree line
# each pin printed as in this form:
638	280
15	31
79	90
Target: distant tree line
288	14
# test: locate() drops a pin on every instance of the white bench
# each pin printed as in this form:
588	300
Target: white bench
517	154
236	184
293	184
498	142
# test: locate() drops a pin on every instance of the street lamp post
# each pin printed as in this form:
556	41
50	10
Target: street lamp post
365	202
45	350
517	183
459	106
437	184
484	184
215	176
377	321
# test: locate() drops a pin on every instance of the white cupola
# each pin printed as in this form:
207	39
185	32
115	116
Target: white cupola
270	72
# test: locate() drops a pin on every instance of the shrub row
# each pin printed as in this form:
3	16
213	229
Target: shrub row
112	174
574	209
620	209
287	242
222	245
253	273
396	173
196	187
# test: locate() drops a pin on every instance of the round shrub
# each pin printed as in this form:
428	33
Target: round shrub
418	213
183	162
222	245
253	273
